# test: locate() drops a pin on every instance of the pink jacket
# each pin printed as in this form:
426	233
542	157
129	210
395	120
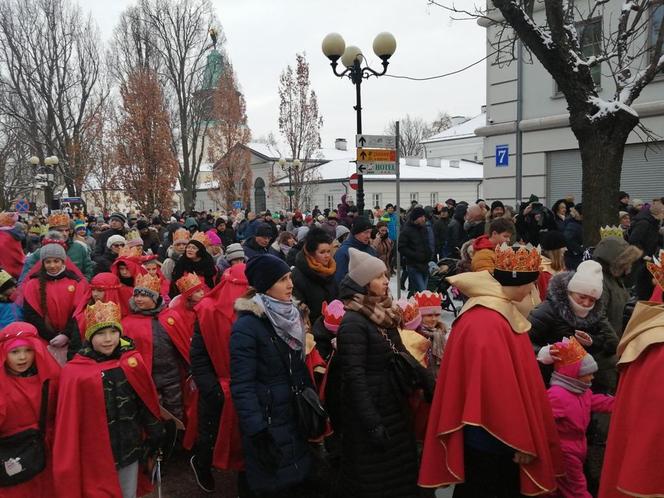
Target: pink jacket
572	415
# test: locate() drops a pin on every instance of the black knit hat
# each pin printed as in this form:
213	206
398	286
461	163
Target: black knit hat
264	270
417	212
263	230
552	240
119	216
360	224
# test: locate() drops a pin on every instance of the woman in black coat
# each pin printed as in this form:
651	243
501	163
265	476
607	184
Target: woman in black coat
313	275
379	454
196	260
268	335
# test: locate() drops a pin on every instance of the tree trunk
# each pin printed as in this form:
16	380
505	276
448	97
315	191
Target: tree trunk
602	145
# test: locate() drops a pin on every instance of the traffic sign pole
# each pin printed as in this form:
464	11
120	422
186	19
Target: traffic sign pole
398	211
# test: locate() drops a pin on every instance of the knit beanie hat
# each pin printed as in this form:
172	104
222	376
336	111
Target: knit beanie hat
360	224
332	315
6	281
587	279
264	270
363	267
552	240
212	236
234	251
115	239
142	224
340	231
301	233
52	251
411	314
79	224
417	212
263	230
147	285
118	216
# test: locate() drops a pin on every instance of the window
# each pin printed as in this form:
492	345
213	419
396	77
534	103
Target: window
433	199
376	200
329	202
414	196
590	39
656	20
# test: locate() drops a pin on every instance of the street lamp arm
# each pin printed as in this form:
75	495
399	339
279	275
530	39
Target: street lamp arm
346	72
367	72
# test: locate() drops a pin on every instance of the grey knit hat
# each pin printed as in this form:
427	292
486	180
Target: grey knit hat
115	239
52	251
234	251
363	267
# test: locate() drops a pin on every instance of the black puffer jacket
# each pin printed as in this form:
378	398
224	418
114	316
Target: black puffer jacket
368	400
311	287
103	262
554	319
414	246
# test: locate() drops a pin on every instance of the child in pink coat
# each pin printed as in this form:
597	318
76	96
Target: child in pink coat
572	403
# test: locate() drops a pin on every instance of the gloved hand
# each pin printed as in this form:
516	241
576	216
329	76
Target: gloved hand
379	437
267	452
59	341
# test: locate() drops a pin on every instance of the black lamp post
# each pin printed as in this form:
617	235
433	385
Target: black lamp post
49	162
296	163
334	47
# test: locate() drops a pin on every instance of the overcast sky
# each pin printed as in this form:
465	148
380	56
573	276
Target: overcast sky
263	36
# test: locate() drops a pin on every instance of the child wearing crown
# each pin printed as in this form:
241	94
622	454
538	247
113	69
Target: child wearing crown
107	419
432	327
127	266
572	403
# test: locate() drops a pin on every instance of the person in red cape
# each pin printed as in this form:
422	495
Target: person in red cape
491	430
178	320
11	237
218	443
25	367
51	296
153	266
107	420
633	460
158	349
127	266
104	287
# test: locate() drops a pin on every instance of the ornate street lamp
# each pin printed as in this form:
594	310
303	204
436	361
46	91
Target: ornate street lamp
49	162
334	47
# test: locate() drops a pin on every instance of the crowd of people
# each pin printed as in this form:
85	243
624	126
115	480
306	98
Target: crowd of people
269	345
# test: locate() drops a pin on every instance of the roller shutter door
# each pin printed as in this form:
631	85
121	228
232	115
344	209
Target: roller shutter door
642	175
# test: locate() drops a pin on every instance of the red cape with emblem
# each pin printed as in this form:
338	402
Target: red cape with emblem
634	460
135	267
85	467
489	378
139	328
12	257
215	317
63	298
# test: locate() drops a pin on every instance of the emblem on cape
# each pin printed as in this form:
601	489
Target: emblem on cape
170	320
71	288
132	362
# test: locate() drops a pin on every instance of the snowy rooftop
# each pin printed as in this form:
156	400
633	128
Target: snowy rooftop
463	130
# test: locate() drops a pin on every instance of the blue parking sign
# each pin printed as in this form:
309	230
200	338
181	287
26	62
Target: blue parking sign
502	156
22	206
237	204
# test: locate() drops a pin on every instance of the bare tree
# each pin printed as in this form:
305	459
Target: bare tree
442	122
17	178
411	133
49	71
299	125
629	51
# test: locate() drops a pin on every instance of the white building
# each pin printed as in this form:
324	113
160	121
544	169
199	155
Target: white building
551	162
427	182
458	141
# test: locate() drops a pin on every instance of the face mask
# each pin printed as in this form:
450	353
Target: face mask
580	311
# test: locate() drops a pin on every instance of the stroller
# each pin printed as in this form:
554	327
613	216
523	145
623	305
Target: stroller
438	273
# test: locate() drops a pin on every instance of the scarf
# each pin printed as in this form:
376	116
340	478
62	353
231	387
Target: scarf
379	309
285	318
577	309
285	248
572	385
319	268
437	337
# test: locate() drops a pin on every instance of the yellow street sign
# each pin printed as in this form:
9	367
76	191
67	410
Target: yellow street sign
376	155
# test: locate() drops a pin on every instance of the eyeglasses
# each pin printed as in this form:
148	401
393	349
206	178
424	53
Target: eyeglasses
117	245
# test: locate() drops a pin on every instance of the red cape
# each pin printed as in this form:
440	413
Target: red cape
489	378
215	317
11	256
139	328
85	467
63	298
634	460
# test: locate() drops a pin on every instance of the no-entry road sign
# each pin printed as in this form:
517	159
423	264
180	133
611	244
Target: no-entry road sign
353	180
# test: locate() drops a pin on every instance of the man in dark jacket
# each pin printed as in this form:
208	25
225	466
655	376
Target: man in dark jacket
645	235
475	221
440	232
456	235
414	247
259	243
360	239
149	236
117	223
225	233
574	238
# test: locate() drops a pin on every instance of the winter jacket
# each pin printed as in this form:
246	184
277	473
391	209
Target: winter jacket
484	255
369	400
9	313
554	319
251	248
151	241
440	233
100	247
384	248
574	238
414	246
311	287
529	226
78	254
644	233
261	393
456	235
104	261
473	229
341	256
276	250
227	237
391	220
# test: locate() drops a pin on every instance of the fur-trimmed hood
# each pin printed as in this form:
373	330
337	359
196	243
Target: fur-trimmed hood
616	256
558	296
246	304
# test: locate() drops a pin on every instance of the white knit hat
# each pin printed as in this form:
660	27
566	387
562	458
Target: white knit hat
363	267
587	279
115	239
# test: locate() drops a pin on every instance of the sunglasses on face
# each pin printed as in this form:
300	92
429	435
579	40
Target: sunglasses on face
117	245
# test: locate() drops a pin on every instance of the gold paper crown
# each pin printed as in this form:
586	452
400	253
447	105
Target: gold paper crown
130	252
181	235
569	352
610	231
132	235
8	219
202	238
188	282
149	282
524	259
101	315
58	220
655	267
